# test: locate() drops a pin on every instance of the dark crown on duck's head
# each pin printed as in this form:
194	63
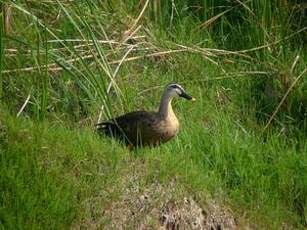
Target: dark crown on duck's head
179	90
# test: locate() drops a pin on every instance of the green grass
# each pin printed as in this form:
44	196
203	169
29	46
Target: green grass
50	175
57	173
46	174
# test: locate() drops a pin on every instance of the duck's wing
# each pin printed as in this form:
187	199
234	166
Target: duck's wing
127	126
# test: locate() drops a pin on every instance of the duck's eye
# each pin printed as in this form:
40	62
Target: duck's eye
173	86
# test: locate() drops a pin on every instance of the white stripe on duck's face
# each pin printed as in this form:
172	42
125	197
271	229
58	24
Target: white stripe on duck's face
175	89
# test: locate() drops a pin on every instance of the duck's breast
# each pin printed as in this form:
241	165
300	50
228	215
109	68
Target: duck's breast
168	128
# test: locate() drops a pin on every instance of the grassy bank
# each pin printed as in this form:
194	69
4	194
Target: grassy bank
242	145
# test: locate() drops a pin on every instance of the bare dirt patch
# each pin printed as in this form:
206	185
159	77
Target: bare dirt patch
164	206
138	200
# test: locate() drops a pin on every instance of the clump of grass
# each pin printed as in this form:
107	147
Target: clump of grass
47	176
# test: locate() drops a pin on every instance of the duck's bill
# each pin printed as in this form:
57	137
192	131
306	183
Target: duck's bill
187	96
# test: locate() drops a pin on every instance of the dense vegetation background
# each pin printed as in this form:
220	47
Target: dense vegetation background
67	64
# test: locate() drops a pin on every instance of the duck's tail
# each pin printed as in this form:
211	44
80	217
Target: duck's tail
110	129
107	128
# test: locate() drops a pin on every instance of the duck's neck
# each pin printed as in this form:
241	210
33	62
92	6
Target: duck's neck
165	109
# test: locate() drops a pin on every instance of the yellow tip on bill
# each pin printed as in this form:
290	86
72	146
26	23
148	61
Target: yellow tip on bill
193	99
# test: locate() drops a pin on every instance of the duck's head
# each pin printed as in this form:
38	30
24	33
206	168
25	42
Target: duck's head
176	90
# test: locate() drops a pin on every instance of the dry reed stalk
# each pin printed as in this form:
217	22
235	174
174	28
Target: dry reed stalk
157	54
130	35
294	64
112	80
273	43
83	41
210	21
284	98
206	80
132	28
49	66
54	67
24	105
7	12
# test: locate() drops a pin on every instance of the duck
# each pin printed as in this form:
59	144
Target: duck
144	128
